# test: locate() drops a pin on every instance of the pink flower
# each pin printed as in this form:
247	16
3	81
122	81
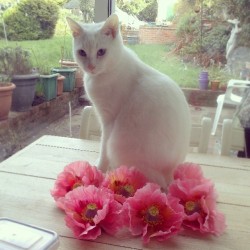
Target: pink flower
79	173
151	213
188	170
89	210
198	198
124	182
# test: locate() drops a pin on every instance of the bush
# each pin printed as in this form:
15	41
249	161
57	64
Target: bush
31	20
216	39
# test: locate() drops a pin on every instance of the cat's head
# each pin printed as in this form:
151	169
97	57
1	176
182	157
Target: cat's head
96	46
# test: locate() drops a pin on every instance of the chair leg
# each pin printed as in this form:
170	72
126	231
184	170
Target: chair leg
220	102
247	142
226	138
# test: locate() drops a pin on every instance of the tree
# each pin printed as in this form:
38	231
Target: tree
87	9
149	13
132	7
214	40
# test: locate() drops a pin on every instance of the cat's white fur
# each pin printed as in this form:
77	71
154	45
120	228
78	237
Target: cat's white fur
144	116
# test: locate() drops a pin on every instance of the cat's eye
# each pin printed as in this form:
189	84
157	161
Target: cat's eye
101	52
81	52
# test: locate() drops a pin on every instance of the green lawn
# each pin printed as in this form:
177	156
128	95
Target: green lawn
47	53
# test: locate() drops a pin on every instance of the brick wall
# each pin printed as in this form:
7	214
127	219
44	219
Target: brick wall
156	35
150	35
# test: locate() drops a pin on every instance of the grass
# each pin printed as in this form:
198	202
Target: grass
47	53
160	58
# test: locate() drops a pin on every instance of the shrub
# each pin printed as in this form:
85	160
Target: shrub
31	20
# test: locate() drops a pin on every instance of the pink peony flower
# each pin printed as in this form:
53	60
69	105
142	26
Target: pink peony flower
198	198
124	182
79	173
89	210
188	170
151	213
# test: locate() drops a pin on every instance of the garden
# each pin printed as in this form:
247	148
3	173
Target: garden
34	35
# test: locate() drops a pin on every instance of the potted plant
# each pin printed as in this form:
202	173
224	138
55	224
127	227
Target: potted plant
6	90
215	75
69	74
203	80
48	83
68	61
16	63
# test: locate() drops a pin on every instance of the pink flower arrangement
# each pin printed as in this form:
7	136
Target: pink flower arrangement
94	202
198	197
124	182
151	213
79	173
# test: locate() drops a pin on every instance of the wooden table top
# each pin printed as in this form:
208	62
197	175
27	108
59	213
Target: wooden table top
27	177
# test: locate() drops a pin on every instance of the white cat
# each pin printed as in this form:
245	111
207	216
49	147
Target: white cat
144	116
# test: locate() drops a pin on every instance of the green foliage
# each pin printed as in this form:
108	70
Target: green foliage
14	60
87	9
132	7
149	13
216	39
31	20
237	9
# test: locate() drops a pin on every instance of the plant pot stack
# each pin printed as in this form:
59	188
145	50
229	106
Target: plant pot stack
78	74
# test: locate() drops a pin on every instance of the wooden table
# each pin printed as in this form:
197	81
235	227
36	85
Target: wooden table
27	177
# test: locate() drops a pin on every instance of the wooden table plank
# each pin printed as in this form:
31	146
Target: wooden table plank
46	162
26	197
220	161
27	177
70	143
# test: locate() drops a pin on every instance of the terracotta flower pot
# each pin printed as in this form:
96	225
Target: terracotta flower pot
5	100
215	85
60	79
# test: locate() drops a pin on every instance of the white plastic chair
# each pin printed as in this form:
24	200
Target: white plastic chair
200	134
232	137
229	98
90	130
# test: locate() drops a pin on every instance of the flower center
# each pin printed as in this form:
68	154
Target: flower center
191	207
152	216
76	185
126	190
89	212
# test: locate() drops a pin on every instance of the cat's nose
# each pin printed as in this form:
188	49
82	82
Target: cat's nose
91	67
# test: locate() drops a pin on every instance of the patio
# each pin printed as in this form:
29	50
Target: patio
61	127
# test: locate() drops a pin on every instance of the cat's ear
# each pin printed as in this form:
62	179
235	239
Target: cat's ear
74	26
111	26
